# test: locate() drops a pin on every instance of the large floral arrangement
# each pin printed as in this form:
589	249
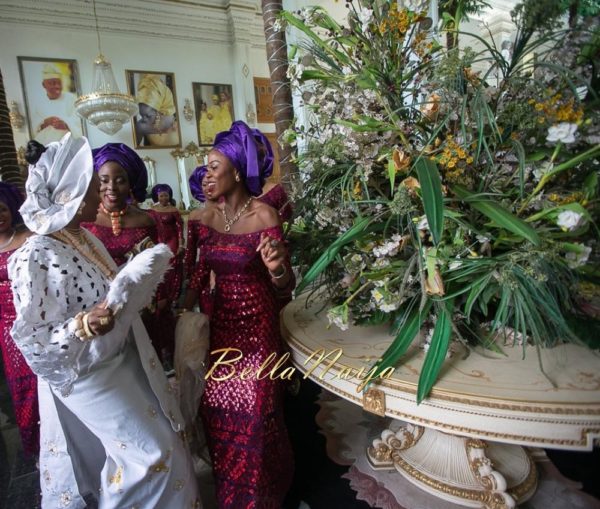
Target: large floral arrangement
450	192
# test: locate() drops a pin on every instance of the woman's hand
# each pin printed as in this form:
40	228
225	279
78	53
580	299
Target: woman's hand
273	254
101	319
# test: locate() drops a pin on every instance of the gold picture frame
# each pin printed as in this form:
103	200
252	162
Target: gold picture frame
157	123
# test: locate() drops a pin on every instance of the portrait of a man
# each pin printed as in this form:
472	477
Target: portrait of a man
50	87
214	110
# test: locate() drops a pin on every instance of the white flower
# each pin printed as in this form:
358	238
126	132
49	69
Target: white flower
423	224
564	132
339	316
346	70
575	260
455	264
569	220
365	16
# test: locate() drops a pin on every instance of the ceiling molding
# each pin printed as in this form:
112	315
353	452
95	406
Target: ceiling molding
218	22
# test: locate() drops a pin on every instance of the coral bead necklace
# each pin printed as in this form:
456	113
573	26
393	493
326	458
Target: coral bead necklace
116	218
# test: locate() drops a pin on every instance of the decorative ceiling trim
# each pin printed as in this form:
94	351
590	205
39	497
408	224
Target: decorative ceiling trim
173	19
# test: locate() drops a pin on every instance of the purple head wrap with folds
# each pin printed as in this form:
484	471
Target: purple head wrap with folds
131	163
13	199
196	183
161	188
250	153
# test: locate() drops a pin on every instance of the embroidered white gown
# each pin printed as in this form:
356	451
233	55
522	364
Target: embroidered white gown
109	421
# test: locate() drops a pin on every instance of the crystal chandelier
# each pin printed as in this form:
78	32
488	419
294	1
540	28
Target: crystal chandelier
105	107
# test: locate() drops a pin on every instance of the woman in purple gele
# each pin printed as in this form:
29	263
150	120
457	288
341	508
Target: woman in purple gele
125	230
170	231
242	243
22	382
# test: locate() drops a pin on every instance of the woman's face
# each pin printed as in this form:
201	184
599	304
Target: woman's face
5	218
163	198
147	113
114	186
92	200
220	176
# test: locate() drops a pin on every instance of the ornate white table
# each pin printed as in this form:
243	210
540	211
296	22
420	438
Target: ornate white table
464	442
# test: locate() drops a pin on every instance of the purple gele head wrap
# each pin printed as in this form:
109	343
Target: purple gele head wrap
161	188
196	183
13	199
131	163
250	153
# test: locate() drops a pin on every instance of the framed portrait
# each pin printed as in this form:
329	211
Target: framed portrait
50	88
157	123
214	110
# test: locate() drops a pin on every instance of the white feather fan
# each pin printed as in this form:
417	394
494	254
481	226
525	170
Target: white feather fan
136	282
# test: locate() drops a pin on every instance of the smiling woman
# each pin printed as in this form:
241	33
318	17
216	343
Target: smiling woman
241	242
124	229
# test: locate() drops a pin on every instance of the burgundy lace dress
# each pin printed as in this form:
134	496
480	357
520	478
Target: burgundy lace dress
159	324
243	419
22	383
170	230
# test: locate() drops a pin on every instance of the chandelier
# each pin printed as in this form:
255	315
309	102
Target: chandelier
105	107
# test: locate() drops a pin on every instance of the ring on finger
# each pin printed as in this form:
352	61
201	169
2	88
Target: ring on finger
274	243
103	320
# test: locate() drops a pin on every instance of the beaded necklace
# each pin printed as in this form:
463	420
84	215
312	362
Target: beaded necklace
80	242
116	218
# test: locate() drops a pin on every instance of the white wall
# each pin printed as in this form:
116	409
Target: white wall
190	61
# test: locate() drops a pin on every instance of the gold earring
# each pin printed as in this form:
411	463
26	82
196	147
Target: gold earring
80	209
237	177
157	120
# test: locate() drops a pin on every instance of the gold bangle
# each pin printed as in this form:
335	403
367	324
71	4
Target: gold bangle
86	326
283	273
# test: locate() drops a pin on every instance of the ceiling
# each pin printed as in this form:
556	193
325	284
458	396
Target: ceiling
218	21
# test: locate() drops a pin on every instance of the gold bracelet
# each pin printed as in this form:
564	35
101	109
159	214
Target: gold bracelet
86	326
283	273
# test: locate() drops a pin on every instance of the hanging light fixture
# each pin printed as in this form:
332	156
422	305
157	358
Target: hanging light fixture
105	107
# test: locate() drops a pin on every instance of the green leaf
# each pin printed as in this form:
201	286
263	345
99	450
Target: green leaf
590	185
436	353
431	192
331	252
406	327
554	212
498	214
391	173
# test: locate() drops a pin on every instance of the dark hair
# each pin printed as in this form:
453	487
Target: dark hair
34	151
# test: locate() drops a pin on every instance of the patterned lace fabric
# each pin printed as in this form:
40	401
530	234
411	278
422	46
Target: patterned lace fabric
243	419
160	324
51	283
22	383
277	198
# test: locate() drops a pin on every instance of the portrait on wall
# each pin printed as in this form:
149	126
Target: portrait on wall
157	123
50	89
214	110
